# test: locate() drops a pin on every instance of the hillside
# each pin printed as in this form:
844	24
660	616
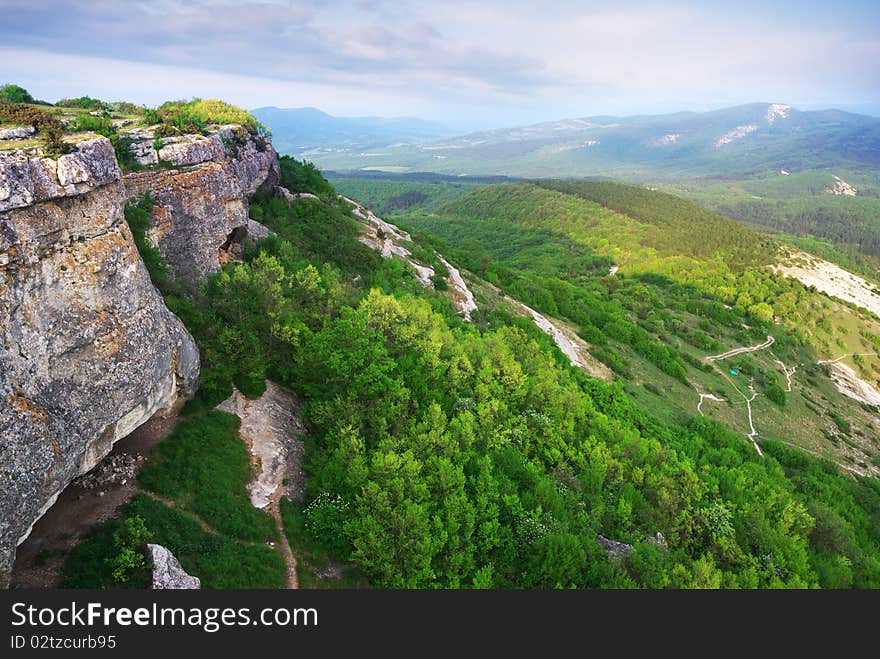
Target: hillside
553	245
455	454
510	386
310	132
732	141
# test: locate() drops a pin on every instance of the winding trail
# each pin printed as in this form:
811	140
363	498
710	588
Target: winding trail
842	357
748	400
788	373
286	551
753	433
710	397
738	351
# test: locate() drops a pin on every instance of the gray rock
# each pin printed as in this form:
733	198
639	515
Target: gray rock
144	152
167	572
615	549
16	132
257	231
198	210
25	181
193	152
291	197
88	349
658	540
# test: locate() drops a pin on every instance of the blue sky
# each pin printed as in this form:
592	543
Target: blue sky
474	62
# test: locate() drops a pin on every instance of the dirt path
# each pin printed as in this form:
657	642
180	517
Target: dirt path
40	559
738	351
842	357
788	373
710	397
748	399
286	551
171	503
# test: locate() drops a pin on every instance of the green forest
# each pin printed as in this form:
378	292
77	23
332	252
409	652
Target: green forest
443	454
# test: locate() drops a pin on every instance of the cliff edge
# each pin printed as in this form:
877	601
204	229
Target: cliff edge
200	216
88	349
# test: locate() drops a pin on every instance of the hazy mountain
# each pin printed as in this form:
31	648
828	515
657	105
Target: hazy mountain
736	140
296	130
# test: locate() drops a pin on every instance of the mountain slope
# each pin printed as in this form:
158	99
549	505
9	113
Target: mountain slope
446	453
736	140
683	284
296	130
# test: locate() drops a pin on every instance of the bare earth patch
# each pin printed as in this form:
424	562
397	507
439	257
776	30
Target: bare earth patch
271	426
831	280
834	281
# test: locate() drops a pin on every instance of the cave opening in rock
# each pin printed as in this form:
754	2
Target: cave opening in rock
87	501
232	248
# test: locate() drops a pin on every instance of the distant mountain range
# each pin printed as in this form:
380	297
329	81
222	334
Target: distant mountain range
733	141
298	130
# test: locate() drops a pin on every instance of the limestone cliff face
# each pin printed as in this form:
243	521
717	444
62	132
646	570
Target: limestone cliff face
88	350
201	205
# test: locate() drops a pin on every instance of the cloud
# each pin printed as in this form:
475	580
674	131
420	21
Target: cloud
565	55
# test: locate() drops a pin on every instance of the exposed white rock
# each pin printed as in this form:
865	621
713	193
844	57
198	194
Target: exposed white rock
193	152
167	572
144	152
26	180
567	344
670	138
464	301
257	231
777	111
16	132
850	384
841	187
291	197
831	279
784	173
735	134
271	427
387	238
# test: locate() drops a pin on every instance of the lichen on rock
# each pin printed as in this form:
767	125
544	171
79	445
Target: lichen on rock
167	572
88	349
204	200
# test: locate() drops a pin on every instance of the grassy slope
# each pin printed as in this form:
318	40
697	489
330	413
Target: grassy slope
200	469
548	232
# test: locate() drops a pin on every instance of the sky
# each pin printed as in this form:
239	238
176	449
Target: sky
472	63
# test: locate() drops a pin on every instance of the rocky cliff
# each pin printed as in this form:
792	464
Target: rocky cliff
201	202
88	350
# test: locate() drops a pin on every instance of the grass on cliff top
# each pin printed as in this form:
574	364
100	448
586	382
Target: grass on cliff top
204	466
217	560
194	116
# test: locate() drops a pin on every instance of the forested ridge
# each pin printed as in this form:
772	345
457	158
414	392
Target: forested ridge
448	454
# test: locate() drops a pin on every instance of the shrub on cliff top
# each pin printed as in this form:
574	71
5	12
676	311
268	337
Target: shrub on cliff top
15	94
45	123
178	117
85	102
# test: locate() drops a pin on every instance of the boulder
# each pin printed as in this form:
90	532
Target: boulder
167	572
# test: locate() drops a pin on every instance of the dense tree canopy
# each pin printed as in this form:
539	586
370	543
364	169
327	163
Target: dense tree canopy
447	455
